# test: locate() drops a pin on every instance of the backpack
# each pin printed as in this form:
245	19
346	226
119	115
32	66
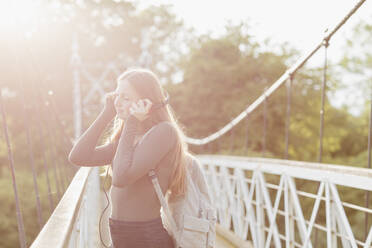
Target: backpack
189	219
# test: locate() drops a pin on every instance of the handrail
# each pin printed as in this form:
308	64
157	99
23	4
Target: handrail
349	176
56	232
238	188
245	200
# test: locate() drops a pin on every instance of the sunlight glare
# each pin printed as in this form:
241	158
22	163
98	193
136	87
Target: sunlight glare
20	15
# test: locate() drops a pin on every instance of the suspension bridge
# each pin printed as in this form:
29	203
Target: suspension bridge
261	202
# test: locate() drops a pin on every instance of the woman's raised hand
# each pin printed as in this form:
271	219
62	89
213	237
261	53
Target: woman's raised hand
141	109
109	107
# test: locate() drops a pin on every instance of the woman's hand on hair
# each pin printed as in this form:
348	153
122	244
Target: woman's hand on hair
141	109
109	107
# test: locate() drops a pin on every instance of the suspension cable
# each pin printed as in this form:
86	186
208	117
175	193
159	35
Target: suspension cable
264	127
29	145
321	125
276	84
21	229
369	158
51	108
43	147
288	114
50	153
323	91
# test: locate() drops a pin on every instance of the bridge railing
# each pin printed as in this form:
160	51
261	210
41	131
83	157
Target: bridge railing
263	200
74	222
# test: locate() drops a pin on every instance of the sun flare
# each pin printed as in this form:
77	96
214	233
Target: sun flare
20	15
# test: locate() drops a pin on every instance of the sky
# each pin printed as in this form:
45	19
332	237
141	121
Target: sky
300	23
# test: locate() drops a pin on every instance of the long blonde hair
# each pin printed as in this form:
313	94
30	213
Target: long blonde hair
147	85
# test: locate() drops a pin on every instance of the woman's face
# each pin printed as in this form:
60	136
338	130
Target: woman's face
126	96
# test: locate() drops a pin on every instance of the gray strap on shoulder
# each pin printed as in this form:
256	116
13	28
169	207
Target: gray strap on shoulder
163	202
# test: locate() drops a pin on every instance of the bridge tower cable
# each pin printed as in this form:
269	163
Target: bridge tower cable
44	106
60	128
51	152
20	223
232	136
50	106
42	130
41	134
45	164
369	159
54	150
27	126
48	146
264	126
322	112
247	134
323	92
288	114
33	165
66	142
38	97
21	229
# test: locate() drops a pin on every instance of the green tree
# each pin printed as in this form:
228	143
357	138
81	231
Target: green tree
222	76
107	31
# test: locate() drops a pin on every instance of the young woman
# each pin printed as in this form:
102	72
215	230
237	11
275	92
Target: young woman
145	136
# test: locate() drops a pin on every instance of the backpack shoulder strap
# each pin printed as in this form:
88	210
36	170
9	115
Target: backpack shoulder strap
163	202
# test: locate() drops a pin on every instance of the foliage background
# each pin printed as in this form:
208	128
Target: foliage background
210	81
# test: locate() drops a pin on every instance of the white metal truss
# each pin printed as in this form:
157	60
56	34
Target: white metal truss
243	199
80	71
242	191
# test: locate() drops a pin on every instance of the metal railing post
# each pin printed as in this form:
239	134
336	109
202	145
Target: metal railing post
288	117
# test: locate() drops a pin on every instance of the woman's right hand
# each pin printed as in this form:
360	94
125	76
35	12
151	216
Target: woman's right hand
109	107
